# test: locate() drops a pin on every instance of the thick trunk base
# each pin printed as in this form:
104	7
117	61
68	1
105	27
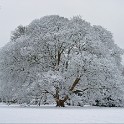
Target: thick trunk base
60	103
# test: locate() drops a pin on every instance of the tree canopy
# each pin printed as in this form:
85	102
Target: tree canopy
55	59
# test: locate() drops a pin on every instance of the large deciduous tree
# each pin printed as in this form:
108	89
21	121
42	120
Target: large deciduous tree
61	59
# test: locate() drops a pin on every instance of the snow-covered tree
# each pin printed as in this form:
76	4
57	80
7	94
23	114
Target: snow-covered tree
59	60
19	31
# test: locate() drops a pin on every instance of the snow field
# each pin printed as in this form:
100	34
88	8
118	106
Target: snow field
51	114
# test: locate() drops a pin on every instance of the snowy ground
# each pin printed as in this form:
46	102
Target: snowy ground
51	114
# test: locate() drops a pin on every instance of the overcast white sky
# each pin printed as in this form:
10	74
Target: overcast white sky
107	13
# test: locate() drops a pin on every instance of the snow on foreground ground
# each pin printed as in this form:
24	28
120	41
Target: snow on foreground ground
51	114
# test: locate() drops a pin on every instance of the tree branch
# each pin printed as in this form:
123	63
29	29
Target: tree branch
75	83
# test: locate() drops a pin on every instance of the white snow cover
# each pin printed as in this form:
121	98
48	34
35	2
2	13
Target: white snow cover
52	114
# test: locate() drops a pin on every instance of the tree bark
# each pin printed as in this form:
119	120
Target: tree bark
60	103
74	84
59	57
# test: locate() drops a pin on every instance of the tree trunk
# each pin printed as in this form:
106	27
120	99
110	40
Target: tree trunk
40	101
59	57
60	103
